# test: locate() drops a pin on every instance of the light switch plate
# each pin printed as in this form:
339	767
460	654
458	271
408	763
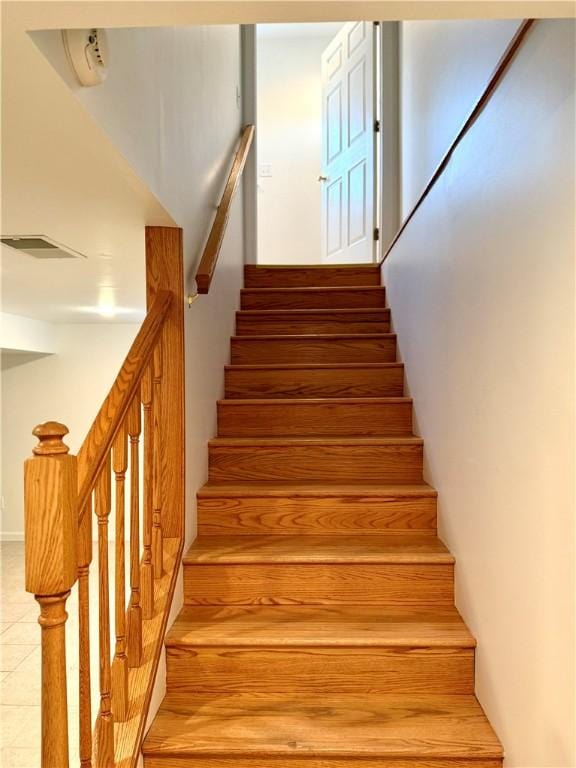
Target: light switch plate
265	170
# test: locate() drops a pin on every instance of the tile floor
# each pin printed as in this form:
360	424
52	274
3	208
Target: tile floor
20	664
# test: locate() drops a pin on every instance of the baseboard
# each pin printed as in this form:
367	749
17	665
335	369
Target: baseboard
11	535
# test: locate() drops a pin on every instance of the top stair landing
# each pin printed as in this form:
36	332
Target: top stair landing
315	276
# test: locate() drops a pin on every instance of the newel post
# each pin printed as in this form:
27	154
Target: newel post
51	524
164	272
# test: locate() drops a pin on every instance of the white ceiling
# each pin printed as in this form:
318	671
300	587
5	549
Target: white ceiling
39	14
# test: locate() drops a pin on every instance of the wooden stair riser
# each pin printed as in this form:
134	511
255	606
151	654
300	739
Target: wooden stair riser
293	515
253	350
322	381
290	323
263	418
292	277
379	463
240	761
310	298
386	584
320	671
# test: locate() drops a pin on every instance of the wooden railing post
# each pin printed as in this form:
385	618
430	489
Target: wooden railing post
85	706
120	663
146	578
105	720
134	426
51	525
157	537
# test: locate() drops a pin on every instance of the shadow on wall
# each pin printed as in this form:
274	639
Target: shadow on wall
12	359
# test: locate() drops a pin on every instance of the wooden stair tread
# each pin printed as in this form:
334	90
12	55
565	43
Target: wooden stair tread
312	289
318	488
312	320
306	366
313	297
262	275
315	625
313	337
315	312
320	265
332	401
386	725
318	548
315	440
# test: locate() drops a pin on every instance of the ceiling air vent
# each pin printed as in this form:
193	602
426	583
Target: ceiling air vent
40	247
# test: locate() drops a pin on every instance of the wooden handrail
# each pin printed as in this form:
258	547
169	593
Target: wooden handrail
209	258
100	438
485	97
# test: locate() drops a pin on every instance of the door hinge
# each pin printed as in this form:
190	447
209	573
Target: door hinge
376	233
376	126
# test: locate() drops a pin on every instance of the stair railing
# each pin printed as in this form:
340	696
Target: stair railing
489	90
65	494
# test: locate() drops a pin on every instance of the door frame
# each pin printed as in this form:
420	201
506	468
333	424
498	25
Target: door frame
249	96
377	175
389	167
387	175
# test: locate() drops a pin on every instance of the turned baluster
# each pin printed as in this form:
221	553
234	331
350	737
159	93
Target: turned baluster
135	610
51	528
147	583
157	538
85	708
120	663
105	722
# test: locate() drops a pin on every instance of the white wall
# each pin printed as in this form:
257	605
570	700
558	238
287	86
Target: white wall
481	286
68	387
63	177
290	141
171	105
444	67
186	82
24	334
249	117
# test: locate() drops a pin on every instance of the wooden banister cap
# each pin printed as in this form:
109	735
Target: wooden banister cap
50	442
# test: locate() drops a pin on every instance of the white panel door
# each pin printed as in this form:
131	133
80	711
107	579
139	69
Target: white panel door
348	146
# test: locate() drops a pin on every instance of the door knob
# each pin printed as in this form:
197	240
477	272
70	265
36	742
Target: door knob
322	178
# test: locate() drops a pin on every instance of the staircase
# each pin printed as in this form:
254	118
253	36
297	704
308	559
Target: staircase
319	628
